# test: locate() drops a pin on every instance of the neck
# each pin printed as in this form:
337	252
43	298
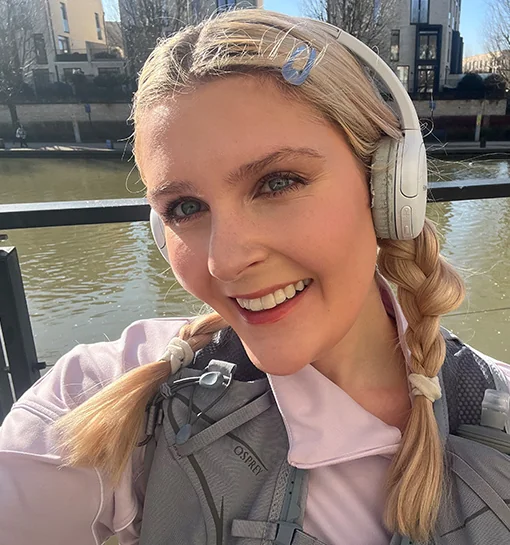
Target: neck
368	364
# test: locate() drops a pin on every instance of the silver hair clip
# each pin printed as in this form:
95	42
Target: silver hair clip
293	75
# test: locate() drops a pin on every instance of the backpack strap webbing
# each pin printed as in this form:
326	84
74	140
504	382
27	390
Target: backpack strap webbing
288	530
227	346
465	377
226	425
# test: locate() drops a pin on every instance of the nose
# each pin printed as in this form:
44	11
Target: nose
236	244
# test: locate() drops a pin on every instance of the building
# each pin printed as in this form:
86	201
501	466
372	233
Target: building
487	63
70	37
426	45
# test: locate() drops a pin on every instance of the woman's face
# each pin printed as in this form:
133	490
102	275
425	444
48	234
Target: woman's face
265	207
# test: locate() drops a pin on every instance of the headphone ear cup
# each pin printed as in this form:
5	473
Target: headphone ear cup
158	232
384	172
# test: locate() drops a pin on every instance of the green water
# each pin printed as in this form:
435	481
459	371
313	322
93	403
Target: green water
86	283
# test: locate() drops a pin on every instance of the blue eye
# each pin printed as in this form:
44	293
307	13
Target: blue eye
276	185
185	209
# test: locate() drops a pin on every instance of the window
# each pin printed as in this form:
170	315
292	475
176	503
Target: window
403	76
40	49
225	4
419	11
426	77
108	71
377	10
41	78
63	44
165	16
395	45
63	11
428	46
70	72
98	27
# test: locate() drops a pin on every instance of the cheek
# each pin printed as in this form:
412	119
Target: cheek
338	230
189	265
344	246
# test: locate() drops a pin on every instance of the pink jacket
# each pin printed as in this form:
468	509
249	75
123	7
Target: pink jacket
347	450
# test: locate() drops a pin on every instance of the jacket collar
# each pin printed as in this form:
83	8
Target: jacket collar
326	426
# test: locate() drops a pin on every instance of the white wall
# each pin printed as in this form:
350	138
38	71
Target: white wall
461	107
39	113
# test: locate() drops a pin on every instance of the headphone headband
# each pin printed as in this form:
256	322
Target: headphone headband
408	116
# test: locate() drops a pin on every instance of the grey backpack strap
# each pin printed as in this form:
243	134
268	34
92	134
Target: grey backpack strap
288	530
399	540
301	538
484	491
465	376
476	511
226	425
267	531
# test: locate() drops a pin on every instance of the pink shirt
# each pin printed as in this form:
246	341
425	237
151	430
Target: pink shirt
347	449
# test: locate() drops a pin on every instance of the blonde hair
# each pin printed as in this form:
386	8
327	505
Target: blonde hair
104	430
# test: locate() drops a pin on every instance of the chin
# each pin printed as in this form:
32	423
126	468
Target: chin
280	366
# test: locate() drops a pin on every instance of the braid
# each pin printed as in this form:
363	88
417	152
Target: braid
104	431
199	332
427	288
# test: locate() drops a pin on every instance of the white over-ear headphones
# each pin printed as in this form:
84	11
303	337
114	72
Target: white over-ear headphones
399	167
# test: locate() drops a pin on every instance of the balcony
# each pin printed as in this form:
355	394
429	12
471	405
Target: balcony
75	56
107	54
92	54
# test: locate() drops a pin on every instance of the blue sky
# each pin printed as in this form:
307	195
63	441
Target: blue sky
471	26
471	21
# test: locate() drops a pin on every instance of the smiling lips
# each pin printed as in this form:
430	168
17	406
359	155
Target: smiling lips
272	300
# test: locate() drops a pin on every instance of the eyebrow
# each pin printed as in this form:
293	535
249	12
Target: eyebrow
173	187
244	171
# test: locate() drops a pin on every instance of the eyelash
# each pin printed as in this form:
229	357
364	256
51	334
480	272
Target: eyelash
170	217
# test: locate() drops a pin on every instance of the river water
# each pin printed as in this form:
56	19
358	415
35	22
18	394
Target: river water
86	283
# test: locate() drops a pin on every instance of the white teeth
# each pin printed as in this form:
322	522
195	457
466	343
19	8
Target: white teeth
268	301
274	299
279	296
290	291
256	304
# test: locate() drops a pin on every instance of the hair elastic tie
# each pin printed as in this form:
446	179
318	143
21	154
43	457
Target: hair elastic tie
178	354
425	386
293	75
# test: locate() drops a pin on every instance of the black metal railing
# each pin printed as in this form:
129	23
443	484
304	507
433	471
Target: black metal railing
19	366
90	54
59	214
55	214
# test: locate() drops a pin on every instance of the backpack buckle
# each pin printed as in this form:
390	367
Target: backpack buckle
286	532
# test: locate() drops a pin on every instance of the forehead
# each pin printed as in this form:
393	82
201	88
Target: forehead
226	120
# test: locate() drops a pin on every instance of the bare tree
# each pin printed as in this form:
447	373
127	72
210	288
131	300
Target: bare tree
17	51
143	22
497	36
368	20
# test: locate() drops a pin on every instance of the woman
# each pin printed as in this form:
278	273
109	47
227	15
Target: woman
21	136
260	172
